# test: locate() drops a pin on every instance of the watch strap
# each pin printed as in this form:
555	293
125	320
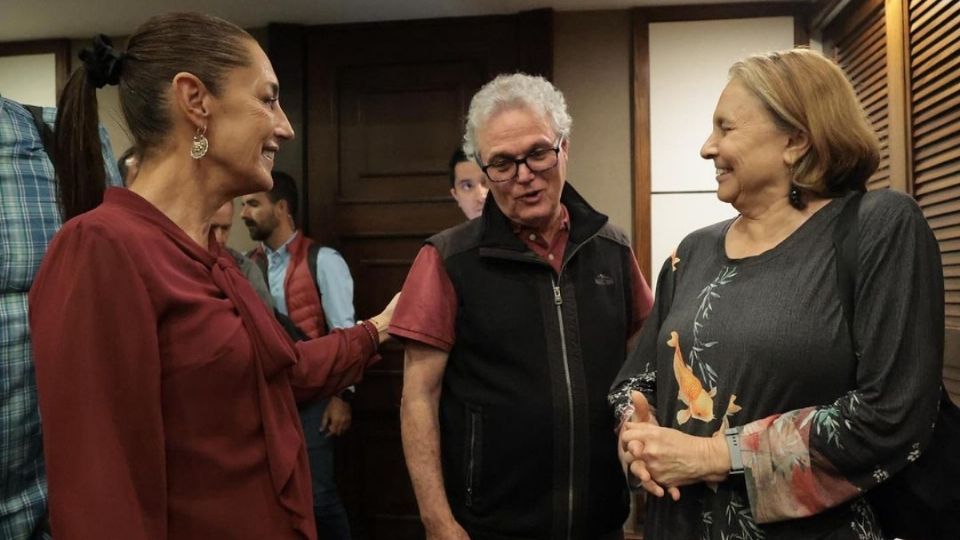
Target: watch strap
732	436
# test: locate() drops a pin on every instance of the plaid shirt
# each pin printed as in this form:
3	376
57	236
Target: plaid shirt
29	217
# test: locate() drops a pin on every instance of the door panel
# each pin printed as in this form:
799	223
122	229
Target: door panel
384	108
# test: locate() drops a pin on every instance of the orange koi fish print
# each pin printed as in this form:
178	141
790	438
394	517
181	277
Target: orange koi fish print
699	402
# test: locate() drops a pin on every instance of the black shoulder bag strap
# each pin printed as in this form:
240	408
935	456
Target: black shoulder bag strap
312	253
46	134
846	239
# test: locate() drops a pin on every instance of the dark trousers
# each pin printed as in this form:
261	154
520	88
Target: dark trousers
332	523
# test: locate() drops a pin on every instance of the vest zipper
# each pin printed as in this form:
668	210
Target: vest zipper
558	301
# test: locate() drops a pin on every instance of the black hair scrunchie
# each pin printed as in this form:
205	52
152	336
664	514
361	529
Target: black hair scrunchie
102	62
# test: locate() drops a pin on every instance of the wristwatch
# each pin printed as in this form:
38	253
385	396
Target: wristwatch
733	444
347	394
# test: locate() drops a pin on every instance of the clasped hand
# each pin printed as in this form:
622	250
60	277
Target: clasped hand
664	459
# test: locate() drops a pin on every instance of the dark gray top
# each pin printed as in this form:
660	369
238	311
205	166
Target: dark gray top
762	343
254	275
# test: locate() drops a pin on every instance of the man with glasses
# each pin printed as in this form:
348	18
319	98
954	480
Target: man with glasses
515	325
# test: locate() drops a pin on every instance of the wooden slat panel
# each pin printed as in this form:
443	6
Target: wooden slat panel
854	53
928	57
867	82
860	50
941	36
919	7
945	71
933	112
952	193
928	74
922	24
951	358
872	84
948	220
924	133
936	178
933	209
946	149
944	79
872	49
876	58
937	159
852	37
876	104
952	284
952	260
946	234
931	63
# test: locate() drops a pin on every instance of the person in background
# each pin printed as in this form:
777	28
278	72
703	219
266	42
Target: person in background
515	324
27	224
128	165
751	409
468	185
167	389
220	225
311	284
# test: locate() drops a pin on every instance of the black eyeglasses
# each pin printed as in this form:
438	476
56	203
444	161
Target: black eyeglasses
541	159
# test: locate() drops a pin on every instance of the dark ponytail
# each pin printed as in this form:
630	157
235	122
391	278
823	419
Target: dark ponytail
77	153
165	45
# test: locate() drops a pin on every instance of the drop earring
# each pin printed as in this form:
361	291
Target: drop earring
795	200
200	144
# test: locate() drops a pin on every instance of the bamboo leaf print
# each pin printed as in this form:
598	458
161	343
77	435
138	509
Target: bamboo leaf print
707	519
825	421
738	516
707	374
864	524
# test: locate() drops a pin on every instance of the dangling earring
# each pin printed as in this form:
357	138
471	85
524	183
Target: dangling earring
200	144
795	199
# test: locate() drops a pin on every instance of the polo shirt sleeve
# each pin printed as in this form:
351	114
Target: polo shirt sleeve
427	309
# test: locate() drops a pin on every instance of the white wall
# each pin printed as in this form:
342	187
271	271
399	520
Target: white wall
591	67
30	79
688	70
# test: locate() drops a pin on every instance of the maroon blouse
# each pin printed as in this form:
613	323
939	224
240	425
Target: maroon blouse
165	386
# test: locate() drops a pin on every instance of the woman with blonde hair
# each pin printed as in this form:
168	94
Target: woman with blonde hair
751	409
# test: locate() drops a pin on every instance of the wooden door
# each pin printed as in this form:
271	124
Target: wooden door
385	105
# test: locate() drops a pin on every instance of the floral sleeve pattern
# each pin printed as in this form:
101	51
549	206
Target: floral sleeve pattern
781	480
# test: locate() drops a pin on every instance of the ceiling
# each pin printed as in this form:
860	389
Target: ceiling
39	19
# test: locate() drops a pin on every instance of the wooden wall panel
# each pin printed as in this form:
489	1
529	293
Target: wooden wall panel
934	52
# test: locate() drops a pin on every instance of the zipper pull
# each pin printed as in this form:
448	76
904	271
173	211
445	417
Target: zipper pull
557	299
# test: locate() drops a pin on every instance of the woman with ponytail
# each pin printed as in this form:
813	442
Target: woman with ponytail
166	388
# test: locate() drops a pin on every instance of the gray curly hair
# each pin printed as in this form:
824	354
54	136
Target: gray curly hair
518	90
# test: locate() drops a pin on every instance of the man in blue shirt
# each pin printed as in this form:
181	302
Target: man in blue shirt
310	284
